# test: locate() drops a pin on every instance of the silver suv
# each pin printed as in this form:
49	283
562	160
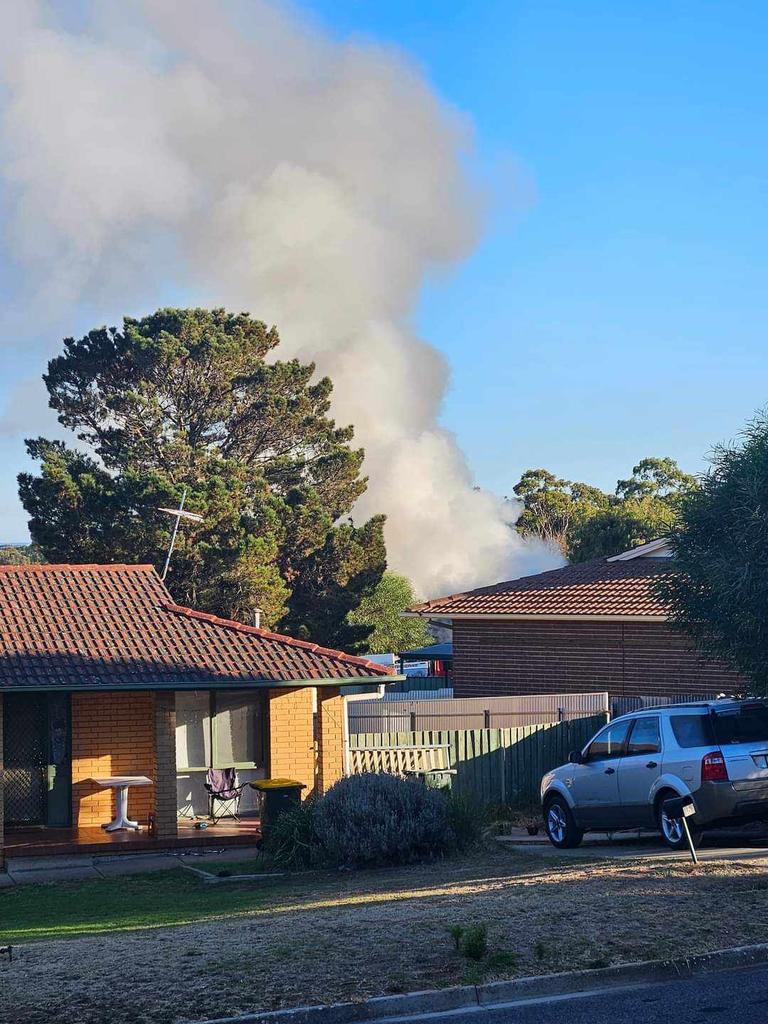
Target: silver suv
715	752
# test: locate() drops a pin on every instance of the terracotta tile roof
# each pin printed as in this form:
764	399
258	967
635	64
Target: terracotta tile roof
116	625
598	587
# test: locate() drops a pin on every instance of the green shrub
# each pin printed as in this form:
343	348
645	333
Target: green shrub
474	942
291	840
373	820
378	819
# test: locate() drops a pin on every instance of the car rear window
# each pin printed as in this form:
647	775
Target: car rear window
692	730
745	724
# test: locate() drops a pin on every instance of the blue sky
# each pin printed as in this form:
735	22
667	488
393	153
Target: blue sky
617	305
619	308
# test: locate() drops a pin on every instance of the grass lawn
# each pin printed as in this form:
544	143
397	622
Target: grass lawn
85	947
111	905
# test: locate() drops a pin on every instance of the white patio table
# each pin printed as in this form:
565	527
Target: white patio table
121	784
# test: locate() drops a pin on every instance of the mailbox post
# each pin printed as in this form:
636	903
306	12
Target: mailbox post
680	808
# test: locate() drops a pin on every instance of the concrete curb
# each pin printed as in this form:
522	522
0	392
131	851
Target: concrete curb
504	992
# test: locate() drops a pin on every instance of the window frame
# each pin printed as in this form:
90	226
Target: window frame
263	738
608	757
258	696
633	725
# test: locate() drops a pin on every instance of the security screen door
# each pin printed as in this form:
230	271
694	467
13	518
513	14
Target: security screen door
38	773
25	723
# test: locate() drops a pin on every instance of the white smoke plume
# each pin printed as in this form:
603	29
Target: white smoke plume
235	153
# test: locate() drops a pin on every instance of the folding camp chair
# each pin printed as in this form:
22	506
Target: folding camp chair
224	789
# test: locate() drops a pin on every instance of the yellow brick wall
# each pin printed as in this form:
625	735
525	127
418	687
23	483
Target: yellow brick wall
330	737
291	736
112	734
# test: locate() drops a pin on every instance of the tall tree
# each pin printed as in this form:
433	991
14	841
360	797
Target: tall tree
620	526
719	591
584	522
187	399
554	508
657	478
382	612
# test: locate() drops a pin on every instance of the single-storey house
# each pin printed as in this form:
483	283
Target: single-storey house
594	625
103	675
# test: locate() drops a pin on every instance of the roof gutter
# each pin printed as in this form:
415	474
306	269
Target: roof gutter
239	684
533	617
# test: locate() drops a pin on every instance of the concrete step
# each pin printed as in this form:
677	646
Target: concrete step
62	862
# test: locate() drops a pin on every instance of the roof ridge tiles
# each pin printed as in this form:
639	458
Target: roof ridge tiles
592	587
496	588
243	627
77	567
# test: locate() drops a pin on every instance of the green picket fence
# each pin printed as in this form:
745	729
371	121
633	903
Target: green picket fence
497	765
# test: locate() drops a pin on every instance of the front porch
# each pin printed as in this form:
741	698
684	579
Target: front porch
90	839
56	744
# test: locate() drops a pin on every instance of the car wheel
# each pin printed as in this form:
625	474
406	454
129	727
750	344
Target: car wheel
672	831
560	825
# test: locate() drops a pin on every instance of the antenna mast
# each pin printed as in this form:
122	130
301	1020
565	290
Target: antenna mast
178	514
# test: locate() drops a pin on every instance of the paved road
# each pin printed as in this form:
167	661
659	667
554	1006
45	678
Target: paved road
730	997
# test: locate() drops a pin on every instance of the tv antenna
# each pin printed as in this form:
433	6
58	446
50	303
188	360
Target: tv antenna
178	514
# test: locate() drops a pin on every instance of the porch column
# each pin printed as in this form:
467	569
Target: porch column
165	765
330	707
291	735
2	787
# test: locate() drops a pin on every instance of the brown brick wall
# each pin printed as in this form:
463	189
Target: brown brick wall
507	657
112	734
292	752
330	737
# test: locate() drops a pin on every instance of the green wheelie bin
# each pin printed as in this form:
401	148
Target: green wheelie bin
277	797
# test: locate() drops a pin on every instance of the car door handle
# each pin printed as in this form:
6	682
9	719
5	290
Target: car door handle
652	764
610	771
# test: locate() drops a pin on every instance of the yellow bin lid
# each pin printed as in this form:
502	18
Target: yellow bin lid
277	784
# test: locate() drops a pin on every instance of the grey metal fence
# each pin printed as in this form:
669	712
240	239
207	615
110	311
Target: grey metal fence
624	705
378	716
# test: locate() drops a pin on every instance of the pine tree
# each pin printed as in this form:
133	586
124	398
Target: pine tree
188	399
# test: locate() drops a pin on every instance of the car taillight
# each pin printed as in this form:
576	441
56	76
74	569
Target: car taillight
713	767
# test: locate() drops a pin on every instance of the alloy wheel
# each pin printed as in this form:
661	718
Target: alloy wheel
557	825
672	828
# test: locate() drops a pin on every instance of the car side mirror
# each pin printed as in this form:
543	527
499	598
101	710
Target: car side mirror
576	757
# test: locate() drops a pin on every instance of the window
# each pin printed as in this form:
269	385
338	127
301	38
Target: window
193	729
692	730
218	729
609	743
747	723
222	729
645	737
238	730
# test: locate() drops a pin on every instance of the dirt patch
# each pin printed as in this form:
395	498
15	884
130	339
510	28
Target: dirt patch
349	936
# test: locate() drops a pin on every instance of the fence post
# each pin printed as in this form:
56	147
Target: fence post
503	768
487	718
413	721
560	714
